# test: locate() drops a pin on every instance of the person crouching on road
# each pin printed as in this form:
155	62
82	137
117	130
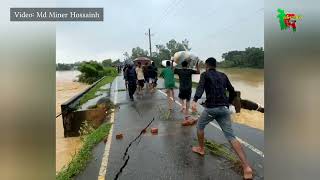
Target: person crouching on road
140	77
169	83
131	77
215	84
185	88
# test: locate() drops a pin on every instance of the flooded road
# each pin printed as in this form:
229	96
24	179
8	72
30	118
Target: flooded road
66	87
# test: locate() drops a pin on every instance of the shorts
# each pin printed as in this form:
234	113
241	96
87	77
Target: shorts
185	94
222	116
141	83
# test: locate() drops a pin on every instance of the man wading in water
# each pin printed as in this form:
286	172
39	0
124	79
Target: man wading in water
215	84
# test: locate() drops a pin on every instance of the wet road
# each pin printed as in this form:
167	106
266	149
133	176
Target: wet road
168	155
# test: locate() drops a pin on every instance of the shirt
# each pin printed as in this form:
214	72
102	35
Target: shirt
152	71
215	84
139	72
168	77
185	78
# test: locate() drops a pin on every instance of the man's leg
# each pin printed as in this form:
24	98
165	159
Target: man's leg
182	105
169	95
204	119
187	108
247	171
224	122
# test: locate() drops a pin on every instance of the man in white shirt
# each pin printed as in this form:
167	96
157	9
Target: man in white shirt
140	77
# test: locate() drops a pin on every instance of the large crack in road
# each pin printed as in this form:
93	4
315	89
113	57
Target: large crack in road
129	145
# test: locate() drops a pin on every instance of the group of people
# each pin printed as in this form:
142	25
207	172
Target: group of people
216	106
139	76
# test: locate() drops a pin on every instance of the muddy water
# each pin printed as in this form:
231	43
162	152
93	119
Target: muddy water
251	84
66	87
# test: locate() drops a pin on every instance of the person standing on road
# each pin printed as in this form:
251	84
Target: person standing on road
140	77
169	83
125	76
153	73
185	87
215	84
131	77
146	75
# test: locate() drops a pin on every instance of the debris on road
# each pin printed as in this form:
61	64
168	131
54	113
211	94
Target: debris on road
189	122
185	123
154	130
119	136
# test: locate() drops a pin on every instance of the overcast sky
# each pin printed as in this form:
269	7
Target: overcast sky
211	26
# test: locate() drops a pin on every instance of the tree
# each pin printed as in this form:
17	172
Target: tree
126	56
175	46
107	62
138	52
251	57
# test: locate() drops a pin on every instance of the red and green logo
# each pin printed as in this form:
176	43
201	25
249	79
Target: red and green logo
288	20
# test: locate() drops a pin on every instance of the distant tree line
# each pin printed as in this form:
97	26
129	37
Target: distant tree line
251	57
64	67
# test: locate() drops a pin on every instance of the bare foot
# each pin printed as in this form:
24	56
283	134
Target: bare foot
198	150
247	173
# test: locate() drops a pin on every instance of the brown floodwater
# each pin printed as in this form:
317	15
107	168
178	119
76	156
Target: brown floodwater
66	87
250	82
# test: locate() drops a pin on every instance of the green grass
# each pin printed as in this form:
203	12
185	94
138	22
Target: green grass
92	92
80	160
221	151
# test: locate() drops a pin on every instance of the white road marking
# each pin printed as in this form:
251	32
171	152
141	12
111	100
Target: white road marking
105	158
251	147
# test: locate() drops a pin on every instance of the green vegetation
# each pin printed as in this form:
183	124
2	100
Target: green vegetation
251	57
221	151
92	71
92	92
80	160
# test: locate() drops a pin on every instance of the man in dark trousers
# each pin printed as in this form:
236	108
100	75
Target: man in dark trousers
185	86
131	76
215	84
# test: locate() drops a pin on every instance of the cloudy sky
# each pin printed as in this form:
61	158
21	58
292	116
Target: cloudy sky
211	26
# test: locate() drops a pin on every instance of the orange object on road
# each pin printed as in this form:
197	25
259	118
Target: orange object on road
154	130
185	123
119	136
193	121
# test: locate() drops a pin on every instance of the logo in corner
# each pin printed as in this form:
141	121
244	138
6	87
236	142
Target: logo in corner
288	20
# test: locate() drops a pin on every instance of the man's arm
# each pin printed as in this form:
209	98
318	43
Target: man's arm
199	92
200	88
198	69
